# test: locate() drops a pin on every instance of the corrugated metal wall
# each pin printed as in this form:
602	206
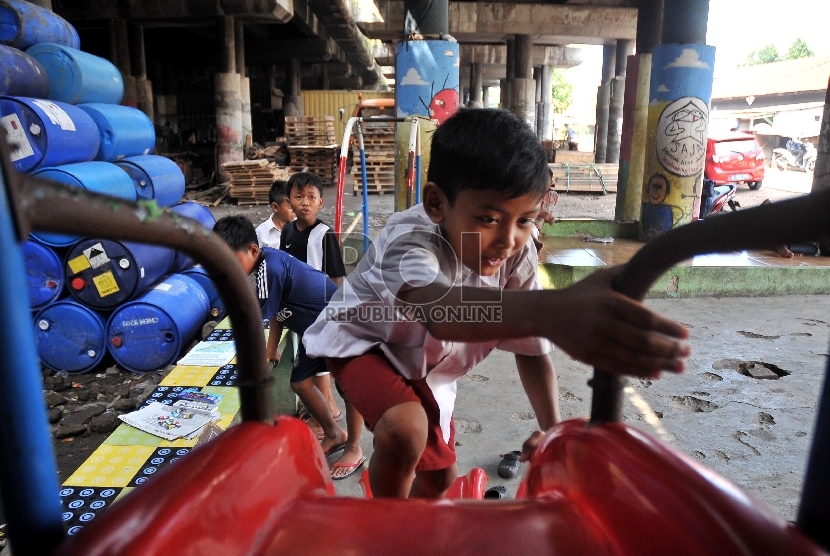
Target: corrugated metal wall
328	103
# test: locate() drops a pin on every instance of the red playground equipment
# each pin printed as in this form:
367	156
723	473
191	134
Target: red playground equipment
263	487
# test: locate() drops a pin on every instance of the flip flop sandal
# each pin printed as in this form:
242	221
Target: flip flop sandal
497	492
334	449
351	467
509	465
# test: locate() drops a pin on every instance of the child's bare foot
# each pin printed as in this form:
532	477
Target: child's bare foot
784	251
348	463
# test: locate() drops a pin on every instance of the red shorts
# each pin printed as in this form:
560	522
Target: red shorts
373	385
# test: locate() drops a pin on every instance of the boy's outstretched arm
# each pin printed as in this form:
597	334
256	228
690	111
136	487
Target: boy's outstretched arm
589	321
272	352
538	378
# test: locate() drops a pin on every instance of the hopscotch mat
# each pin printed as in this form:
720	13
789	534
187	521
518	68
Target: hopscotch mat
129	457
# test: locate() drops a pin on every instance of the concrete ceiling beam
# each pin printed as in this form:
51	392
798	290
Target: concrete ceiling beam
556	56
482	22
273	51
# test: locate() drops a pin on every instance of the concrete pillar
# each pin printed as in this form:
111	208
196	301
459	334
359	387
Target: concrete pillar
635	111
603	101
537	78
325	84
430	17
821	174
615	106
138	60
475	85
523	90
545	109
227	96
120	46
246	131
485	97
678	119
293	101
510	75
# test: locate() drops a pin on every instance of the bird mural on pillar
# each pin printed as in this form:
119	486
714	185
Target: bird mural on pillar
422	66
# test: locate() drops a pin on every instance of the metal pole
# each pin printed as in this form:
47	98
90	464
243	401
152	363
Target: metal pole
365	182
28	474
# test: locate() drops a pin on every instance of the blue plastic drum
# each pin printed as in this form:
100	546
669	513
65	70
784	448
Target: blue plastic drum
97	177
47	133
125	131
196	212
217	306
103	273
76	76
70	337
44	273
23	24
155	178
150	333
21	75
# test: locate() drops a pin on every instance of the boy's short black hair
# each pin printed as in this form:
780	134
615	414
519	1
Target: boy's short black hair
237	231
305	179
278	192
484	148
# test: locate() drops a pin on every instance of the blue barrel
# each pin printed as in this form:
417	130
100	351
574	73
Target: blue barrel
47	133
125	131
199	213
76	76
155	178
44	273
97	177
150	333
103	273
70	337
21	75
23	24
217	306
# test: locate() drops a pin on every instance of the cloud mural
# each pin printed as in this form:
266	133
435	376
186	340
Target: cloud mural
412	77
663	89
688	58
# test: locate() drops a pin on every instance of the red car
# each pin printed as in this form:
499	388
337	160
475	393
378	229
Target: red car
734	157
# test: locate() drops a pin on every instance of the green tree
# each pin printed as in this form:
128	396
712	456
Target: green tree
765	55
562	90
799	49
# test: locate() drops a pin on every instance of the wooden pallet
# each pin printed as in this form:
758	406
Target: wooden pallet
251	180
599	178
379	143
310	130
320	160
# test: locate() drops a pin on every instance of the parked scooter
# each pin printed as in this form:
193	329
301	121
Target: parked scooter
715	198
788	159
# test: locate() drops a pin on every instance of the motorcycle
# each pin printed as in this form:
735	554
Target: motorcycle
785	159
715	198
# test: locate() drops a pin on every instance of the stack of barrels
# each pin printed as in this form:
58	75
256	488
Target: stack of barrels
61	113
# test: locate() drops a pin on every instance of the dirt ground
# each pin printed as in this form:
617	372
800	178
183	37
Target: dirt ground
83	408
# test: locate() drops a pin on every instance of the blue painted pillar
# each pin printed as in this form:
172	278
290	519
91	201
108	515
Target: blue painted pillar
28	477
678	119
426	79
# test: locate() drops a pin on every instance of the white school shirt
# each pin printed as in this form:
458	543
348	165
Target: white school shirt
410	252
268	235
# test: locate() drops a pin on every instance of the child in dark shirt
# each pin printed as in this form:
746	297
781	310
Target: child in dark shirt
291	295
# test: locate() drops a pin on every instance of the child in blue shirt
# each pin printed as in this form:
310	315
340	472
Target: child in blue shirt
291	295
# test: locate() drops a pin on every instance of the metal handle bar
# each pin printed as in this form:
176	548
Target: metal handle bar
766	227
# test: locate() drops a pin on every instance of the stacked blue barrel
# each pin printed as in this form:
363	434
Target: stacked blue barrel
59	107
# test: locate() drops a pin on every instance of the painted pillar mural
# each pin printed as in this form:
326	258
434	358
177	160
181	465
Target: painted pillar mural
426	79
678	121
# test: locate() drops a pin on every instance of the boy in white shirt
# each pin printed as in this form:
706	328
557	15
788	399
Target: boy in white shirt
268	233
451	279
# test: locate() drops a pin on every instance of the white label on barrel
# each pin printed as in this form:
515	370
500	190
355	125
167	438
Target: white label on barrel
96	255
56	114
16	136
163	287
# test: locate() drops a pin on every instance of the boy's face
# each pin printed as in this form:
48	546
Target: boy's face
248	257
283	211
494	228
306	203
